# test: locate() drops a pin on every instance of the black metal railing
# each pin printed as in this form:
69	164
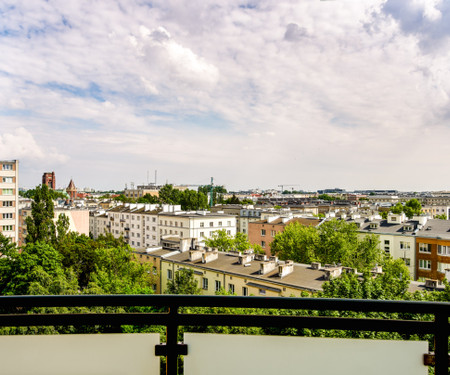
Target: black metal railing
14	311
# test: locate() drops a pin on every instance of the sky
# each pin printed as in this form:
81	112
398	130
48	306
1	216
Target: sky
318	94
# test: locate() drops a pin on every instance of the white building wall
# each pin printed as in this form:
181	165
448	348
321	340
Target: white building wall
9	199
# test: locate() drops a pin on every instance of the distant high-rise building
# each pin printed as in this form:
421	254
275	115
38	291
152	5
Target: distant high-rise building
48	178
9	198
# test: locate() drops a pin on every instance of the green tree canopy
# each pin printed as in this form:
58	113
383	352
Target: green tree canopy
183	283
335	241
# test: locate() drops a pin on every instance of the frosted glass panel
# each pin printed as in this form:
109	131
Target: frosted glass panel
100	354
269	355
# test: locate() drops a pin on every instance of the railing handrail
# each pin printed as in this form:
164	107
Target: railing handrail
334	304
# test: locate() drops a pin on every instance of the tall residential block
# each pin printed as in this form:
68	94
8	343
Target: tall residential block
9	198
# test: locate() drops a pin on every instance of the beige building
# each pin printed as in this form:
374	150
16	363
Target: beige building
241	274
9	199
78	221
195	224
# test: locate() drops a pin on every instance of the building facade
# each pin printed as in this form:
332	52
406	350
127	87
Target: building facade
48	178
9	199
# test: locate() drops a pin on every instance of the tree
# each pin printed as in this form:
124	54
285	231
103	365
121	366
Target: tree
397	209
148	199
441	217
40	225
335	241
183	283
218	192
221	240
412	207
193	200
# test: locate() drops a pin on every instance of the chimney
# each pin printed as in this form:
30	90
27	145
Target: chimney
315	265
286	268
267	266
209	256
246	258
195	255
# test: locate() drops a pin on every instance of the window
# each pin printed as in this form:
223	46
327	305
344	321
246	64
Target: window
443	250
425	264
8	180
7	167
132	217
220	223
229	223
205	283
154	270
176	223
263	232
231	288
273	233
218	286
263	244
202	224
262	291
424	248
154	219
386	242
7	203
169	274
443	266
202	234
6	228
154	229
244	291
8	215
407	261
8	192
405	245
171	223
181	224
211	224
229	232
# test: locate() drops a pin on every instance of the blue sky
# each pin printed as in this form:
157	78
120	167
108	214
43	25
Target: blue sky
344	93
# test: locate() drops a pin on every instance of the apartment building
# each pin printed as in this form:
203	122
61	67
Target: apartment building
433	250
244	214
195	224
433	210
262	232
9	199
241	274
397	236
137	223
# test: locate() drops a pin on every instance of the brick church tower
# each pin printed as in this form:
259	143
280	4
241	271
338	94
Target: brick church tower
71	190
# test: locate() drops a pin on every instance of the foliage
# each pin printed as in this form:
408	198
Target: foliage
183	283
226	242
40	225
54	194
411	208
77	264
232	200
218	192
335	241
441	217
327	197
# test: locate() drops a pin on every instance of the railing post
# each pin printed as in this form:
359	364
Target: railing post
441	343
172	341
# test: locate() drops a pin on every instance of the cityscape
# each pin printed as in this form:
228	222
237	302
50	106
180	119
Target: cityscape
198	187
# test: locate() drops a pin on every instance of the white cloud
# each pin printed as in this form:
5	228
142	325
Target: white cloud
21	144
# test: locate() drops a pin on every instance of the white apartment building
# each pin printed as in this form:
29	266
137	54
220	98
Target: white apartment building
434	210
397	237
9	198
136	223
195	224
